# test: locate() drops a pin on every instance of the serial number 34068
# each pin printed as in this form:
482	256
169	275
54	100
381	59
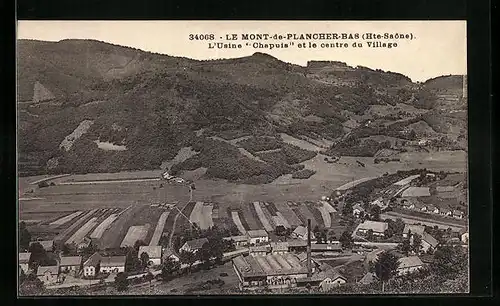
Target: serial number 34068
201	36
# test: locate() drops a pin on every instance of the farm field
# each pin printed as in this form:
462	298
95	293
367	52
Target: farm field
325	215
41	217
236	219
159	229
266	223
313	208
304	213
114	235
202	215
104	225
149	217
288	214
65	234
183	219
135	233
67	218
78	236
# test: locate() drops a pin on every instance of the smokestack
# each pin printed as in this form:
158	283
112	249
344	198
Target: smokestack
309	272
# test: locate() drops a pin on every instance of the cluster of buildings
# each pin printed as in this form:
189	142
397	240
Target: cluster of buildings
432	209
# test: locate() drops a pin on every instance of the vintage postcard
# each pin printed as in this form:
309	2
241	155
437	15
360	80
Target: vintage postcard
242	157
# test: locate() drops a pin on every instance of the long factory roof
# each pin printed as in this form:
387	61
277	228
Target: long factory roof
269	265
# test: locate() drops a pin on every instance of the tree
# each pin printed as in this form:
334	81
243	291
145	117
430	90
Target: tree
121	281
132	263
369	235
375	213
66	250
24	236
449	261
347	209
405	246
205	255
144	260
346	240
38	255
388	233
149	278
416	243
385	267
138	244
187	258
169	267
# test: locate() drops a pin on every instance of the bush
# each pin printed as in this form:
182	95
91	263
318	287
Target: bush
303	174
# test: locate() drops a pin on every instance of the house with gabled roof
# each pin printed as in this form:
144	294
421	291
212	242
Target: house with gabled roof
24	259
410	229
458	214
257	237
377	227
357	209
300	232
428	242
91	265
409	264
70	264
368	278
154	253
194	245
48	274
112	264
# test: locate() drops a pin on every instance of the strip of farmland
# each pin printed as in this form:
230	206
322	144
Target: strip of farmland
159	229
148	216
316	214
247	212
267	214
325	215
62	236
288	214
237	222
272	208
135	233
354	183
207	217
115	234
67	218
305	214
183	219
82	231
196	214
328	207
284	222
262	217
103	226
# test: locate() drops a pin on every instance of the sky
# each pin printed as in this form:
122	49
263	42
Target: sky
438	48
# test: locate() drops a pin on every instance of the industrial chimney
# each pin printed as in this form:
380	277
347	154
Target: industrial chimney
309	272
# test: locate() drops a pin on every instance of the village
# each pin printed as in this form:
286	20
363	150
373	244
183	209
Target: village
342	238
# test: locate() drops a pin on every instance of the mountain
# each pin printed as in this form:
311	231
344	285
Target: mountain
90	106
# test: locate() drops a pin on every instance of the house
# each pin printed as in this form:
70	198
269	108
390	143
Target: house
464	236
112	264
154	253
410	229
279	247
70	264
193	246
420	207
301	233
357	209
368	278
326	248
48	274
377	227
333	279
257	236
169	253
239	241
379	202
446	212
85	243
297	245
259	250
428	242
432	209
91	265
24	259
458	214
409	264
48	245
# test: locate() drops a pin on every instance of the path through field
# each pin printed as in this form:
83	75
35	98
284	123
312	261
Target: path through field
177	217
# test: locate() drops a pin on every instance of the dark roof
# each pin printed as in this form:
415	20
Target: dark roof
430	240
368	278
297	243
196	243
112	261
71	260
24	257
51	269
257	233
93	260
326	247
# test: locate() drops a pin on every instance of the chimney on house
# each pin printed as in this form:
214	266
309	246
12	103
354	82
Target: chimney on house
309	272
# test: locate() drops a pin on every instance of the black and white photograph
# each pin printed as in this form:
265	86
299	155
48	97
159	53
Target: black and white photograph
179	158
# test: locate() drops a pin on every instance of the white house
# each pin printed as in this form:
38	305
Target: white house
154	253
332	280
112	264
409	265
413	229
168	253
70	264
24	259
464	236
429	242
193	245
261	250
432	209
279	247
357	209
458	214
446	212
257	236
48	274
301	233
91	265
377	227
